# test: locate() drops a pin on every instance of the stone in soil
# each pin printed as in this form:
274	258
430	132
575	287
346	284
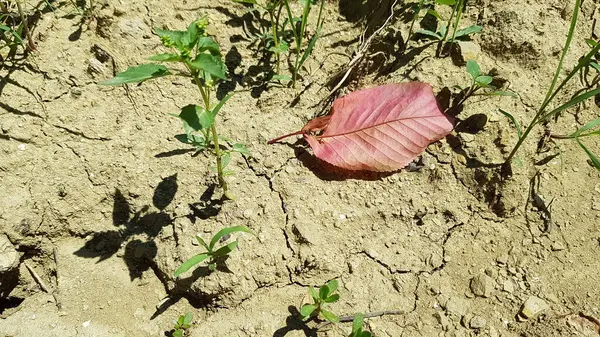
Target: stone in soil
482	285
533	307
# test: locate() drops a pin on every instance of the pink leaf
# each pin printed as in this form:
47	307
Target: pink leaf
378	129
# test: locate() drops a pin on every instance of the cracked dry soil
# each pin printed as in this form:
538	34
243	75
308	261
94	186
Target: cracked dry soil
102	202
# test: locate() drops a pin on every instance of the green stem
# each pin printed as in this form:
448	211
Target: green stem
215	137
441	44
412	24
458	16
30	44
275	38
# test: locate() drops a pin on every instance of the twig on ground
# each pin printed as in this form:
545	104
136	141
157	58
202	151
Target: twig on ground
37	278
56	292
360	53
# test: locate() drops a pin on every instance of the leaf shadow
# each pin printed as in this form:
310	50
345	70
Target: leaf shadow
328	172
137	229
294	322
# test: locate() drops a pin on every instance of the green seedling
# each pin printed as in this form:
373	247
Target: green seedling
275	39
325	296
453	22
13	26
544	114
211	253
200	55
303	54
182	325
357	327
481	83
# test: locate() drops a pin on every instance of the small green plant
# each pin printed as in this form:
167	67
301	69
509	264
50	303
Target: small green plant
201	57
182	324
452	23
481	83
543	116
211	252
357	327
275	39
13	26
325	296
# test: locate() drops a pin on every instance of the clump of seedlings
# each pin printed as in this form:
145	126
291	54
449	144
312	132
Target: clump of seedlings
200	55
182	325
321	299
442	34
212	253
545	114
292	30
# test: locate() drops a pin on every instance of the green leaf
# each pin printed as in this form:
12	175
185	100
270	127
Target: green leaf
190	263
307	310
330	316
170	38
225	159
357	323
588	126
574	101
309	49
178	333
483	80
138	74
595	66
593	158
218	107
180	320
284	78
314	294
226	231
366	334
209	44
468	31
240	148
333	286
195	118
324	292
209	64
434	13
429	33
184	138
282	48
331	299
225	250
473	69
445	2
202	242
187	319
167	57
514	121
191	35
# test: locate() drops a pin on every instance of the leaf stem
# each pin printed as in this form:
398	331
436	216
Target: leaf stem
286	136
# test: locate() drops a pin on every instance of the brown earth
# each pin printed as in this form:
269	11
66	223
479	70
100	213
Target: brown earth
102	202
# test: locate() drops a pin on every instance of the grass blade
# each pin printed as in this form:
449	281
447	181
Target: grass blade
574	101
190	263
138	74
226	231
514	121
593	158
588	126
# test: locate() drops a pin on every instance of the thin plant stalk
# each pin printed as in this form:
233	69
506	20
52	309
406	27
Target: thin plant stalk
30	44
275	38
443	40
459	13
412	24
551	92
215	137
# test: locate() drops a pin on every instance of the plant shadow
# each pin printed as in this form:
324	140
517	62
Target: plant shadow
294	322
137	228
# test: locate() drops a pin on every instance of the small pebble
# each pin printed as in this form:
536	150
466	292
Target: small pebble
533	307
477	322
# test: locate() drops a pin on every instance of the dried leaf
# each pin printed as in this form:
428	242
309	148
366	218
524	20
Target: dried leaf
378	129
